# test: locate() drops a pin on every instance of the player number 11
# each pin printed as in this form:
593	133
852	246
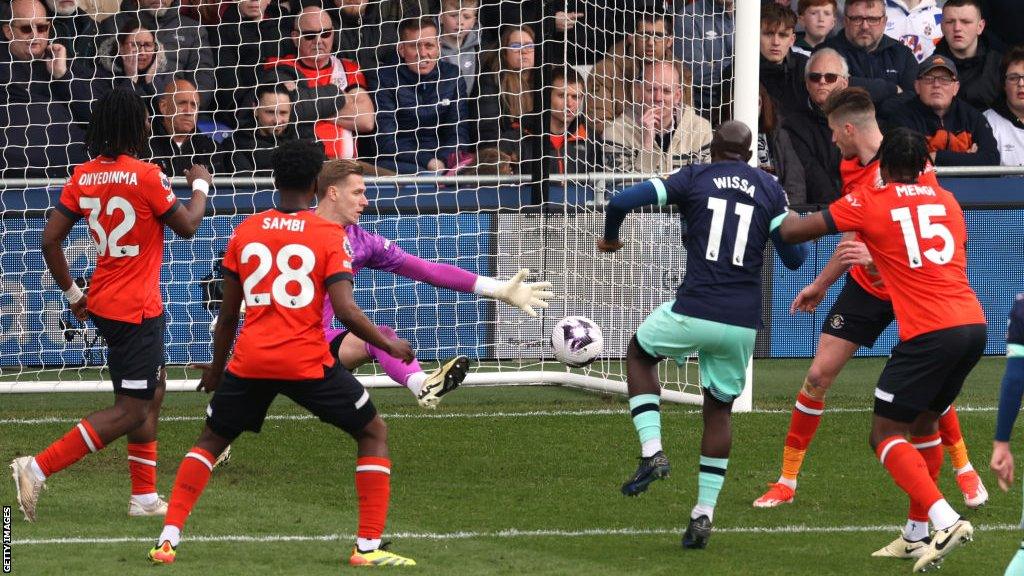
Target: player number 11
928	229
718	207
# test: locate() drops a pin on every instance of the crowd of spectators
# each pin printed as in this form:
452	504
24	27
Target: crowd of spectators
450	86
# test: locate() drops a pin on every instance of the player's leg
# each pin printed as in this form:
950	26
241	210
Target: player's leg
645	350
921	379
135	357
142	459
237	405
856	319
967	478
340	400
725	352
428	389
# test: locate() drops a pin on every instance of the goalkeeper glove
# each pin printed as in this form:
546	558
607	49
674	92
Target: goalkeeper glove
515	292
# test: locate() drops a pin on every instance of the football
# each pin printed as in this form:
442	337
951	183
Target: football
577	341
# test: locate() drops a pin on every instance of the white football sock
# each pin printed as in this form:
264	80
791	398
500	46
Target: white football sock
37	470
965	469
942	515
703	510
915	531
170	534
787	482
367	544
650	447
145	499
415	382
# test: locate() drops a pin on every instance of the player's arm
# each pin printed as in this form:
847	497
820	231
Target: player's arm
795	229
224	333
58	226
349	313
1010	394
185	220
514	292
643	194
792	255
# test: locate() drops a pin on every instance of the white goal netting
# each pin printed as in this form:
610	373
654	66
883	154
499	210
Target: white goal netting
492	133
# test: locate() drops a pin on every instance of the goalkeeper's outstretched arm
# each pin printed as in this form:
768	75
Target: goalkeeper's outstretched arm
527	296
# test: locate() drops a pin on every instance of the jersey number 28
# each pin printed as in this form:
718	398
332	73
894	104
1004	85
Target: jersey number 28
285	275
928	229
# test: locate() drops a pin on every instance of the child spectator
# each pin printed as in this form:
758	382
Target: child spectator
460	37
818	19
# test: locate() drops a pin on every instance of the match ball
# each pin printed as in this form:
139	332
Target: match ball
577	341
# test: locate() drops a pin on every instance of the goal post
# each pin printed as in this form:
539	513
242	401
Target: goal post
482	211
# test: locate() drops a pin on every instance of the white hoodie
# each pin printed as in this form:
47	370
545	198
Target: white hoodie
918	28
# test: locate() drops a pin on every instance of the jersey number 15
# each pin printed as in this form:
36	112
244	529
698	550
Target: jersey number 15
928	229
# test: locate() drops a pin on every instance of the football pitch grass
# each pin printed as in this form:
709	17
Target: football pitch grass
505	481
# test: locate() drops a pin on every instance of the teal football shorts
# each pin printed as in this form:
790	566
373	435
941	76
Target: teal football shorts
723	350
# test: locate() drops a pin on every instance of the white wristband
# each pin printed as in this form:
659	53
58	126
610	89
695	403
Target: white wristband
201	186
74	294
486	286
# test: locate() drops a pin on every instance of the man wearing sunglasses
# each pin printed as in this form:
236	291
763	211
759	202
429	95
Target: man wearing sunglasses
826	73
39	131
881	65
332	104
957	134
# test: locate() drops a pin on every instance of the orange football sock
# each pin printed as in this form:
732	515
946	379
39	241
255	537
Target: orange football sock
70	448
909	470
373	486
802	426
142	467
930	449
953	439
193	474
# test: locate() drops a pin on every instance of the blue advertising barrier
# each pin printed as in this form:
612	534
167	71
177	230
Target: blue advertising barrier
451	225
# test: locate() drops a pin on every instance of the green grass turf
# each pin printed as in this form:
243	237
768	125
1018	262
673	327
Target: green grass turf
486	475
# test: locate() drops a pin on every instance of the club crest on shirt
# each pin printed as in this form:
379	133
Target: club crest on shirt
347	246
165	181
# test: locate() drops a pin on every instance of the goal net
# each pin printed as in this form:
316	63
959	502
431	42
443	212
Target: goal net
492	132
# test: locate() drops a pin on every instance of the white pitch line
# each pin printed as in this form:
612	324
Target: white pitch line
507	533
474	415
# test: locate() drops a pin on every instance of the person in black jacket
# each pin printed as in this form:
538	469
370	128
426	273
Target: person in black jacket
505	92
175	144
38	136
811	136
879	64
958	135
782	69
270	125
249	33
976	61
775	153
75	29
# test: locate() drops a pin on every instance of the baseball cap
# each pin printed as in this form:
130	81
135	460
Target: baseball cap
936	61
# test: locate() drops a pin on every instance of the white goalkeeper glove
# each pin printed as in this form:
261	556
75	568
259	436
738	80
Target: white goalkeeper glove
515	292
213	323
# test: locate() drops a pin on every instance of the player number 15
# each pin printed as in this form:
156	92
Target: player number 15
928	229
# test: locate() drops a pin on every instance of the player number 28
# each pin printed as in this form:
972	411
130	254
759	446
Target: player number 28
108	245
928	229
286	275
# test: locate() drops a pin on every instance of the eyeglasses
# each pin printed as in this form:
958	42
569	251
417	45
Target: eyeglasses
828	77
26	29
143	46
312	35
1014	78
937	80
528	47
869	20
656	36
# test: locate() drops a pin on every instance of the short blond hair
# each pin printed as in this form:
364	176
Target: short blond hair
334	171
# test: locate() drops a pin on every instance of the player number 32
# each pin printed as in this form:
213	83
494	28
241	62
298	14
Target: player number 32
928	230
286	275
